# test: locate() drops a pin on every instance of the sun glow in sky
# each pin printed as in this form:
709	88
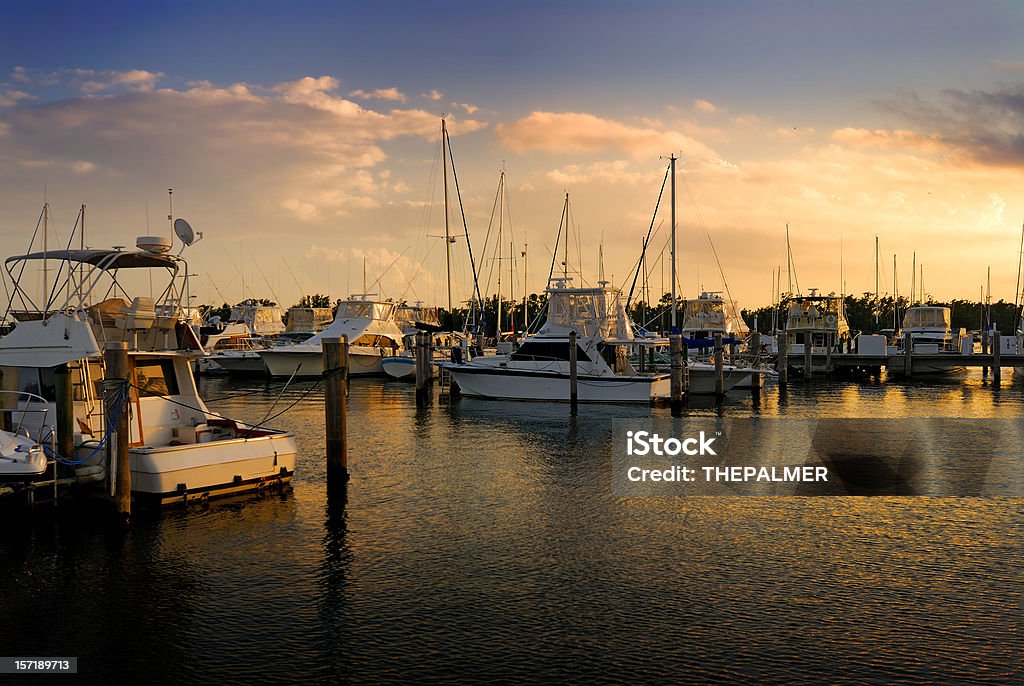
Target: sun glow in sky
301	138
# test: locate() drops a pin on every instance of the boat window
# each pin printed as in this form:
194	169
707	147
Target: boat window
155	377
355	310
28	380
547	350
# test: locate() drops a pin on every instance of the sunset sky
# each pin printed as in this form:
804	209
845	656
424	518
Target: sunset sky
301	137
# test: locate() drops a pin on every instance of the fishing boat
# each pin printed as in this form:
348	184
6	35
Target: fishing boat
928	329
179	449
817	322
539	368
372	336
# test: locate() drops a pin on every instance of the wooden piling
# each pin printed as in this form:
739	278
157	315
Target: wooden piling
65	412
573	364
829	344
908	356
808	356
117	407
755	344
719	367
732	350
675	351
782	365
422	369
335	357
984	351
997	368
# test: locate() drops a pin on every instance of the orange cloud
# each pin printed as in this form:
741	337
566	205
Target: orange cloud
576	132
899	139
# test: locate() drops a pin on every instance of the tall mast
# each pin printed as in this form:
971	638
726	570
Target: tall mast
672	159
526	322
877	304
895	295
447	232
789	263
913	279
565	251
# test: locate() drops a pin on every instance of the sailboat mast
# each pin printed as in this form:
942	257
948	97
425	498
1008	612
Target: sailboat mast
501	218
565	253
877	304
672	160
789	264
526	322
447	231
913	279
895	295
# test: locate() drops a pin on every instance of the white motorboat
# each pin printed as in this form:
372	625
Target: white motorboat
20	457
372	336
179	449
539	368
818	322
928	329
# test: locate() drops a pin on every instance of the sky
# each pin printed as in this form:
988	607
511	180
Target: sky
302	140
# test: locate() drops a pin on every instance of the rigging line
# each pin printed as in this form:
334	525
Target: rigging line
267	281
210	279
465	227
25	300
558	237
415	274
384	273
52	296
302	291
647	239
237	270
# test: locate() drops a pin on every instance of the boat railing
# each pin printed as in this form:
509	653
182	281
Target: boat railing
17	406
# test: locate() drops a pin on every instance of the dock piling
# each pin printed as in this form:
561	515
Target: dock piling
116	404
573	364
335	356
782	365
808	356
65	412
720	367
984	351
997	368
675	349
422	357
908	356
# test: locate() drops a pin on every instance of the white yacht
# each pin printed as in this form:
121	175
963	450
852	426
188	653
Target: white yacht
929	330
818	322
179	449
372	335
539	368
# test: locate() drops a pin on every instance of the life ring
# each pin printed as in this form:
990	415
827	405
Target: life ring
831	319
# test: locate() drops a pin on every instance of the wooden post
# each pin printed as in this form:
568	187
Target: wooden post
685	354
997	368
755	344
573	395
984	351
65	412
908	352
808	355
642	358
117	407
335	352
675	351
719	368
422	369
829	343
782	365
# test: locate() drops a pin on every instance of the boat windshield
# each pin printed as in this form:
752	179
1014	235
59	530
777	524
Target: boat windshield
588	312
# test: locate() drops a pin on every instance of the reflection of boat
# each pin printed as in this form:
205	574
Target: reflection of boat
539	369
178	448
818	322
372	335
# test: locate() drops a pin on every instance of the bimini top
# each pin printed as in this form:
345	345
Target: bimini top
103	259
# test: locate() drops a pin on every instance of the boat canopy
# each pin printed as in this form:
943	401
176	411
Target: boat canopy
927	317
104	259
589	312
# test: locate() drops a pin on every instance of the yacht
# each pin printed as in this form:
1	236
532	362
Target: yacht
179	449
372	335
818	322
928	329
539	368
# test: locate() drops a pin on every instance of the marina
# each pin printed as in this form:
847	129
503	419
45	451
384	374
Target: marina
576	342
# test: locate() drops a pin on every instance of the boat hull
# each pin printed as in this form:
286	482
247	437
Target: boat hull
242	365
168	474
310	363
554	387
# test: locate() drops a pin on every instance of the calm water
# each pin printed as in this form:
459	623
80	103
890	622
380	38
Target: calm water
481	542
